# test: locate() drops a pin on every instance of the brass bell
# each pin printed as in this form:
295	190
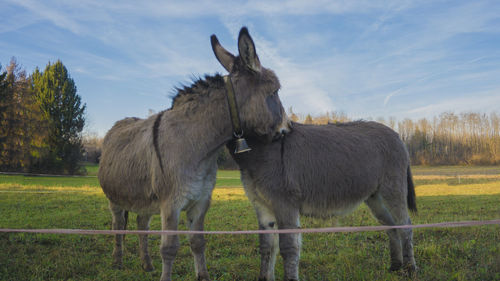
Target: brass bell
241	146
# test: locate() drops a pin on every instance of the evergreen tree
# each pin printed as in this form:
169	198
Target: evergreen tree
62	107
3	95
3	87
5	98
9	143
22	130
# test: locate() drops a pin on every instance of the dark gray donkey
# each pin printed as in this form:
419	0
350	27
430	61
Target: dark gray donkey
167	163
324	171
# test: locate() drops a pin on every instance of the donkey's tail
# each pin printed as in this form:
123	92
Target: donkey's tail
411	197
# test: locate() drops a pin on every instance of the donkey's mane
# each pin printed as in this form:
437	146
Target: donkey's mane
199	86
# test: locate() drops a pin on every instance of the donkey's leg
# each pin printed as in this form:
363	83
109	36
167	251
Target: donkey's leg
395	199
288	218
196	217
406	235
383	215
143	224
120	218
268	243
169	243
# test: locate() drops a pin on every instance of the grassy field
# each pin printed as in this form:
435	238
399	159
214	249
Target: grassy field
444	194
224	179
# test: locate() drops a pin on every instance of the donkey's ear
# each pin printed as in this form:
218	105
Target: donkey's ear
224	57
246	47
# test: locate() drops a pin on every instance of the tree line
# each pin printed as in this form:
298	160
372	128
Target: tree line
41	120
467	138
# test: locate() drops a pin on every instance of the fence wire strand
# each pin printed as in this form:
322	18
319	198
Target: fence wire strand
241	232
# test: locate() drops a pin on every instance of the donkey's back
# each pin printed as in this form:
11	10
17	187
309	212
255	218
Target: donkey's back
344	165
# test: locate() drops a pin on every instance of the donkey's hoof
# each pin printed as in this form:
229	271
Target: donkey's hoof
203	278
410	270
147	263
395	267
117	265
148	267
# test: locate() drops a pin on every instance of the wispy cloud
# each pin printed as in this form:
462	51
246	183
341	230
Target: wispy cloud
428	76
44	11
481	101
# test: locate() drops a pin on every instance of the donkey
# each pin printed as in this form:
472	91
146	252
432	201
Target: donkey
328	170
167	162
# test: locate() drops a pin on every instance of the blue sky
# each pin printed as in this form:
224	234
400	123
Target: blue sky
368	59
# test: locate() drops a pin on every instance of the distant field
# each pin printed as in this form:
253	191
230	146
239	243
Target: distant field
469	253
456	170
91	169
451	175
224	179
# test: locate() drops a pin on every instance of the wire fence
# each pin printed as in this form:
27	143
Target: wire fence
246	232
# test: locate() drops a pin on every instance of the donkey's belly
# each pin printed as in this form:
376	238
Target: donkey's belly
133	201
324	210
151	208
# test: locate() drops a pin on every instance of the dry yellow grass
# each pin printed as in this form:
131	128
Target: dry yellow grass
8	187
438	177
469	189
229	193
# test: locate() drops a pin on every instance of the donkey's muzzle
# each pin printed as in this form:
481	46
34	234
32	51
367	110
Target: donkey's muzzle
283	130
278	136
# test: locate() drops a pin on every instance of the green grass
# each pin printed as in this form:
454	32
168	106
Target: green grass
91	168
20	180
468	253
224	179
